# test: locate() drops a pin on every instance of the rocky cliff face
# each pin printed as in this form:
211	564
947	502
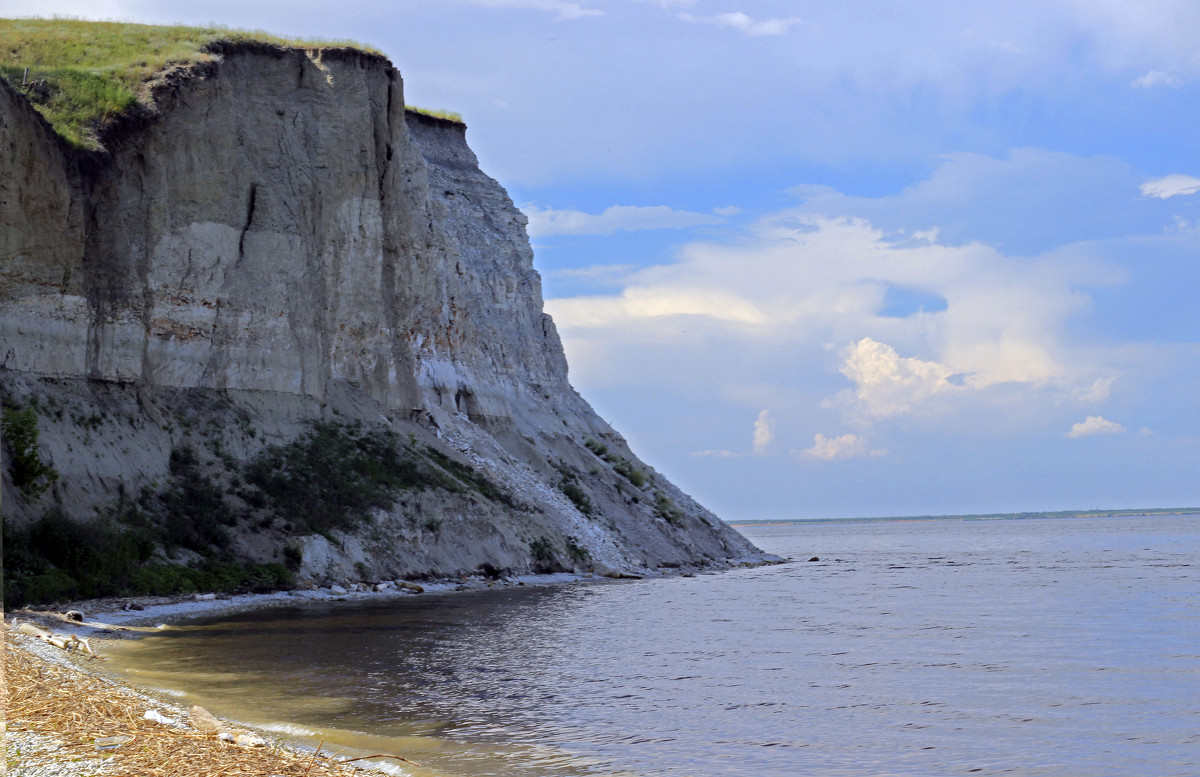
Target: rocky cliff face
279	247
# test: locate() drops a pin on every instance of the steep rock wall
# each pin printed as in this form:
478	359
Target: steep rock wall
279	242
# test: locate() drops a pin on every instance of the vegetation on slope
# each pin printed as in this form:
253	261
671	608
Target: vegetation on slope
178	535
81	74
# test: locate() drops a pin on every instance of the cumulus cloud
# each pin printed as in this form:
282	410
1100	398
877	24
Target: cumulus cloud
744	23
1094	425
764	431
887	383
1171	186
846	446
798	281
548	221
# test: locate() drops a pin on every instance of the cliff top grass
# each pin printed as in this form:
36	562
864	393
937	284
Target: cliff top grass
81	74
437	113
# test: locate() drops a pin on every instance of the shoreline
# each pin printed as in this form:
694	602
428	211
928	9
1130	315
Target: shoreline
130	613
67	689
110	619
106	620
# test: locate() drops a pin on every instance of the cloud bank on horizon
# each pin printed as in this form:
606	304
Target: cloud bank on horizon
842	259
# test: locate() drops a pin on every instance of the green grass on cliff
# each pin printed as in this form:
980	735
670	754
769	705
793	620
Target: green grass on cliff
83	73
437	113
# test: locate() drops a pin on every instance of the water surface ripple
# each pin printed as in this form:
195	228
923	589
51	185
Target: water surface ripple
1014	647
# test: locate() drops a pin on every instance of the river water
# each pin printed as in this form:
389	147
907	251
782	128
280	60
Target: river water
1066	647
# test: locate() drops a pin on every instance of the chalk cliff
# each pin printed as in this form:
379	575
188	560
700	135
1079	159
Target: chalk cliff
277	248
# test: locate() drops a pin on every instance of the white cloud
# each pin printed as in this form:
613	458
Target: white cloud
1157	78
639	304
1093	425
565	10
1099	391
764	432
1171	186
797	282
846	446
744	23
1158	35
548	221
598	273
887	383
716	454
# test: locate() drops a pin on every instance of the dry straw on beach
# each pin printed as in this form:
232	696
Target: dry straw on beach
78	709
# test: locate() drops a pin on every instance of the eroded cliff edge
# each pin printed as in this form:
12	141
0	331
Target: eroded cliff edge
278	261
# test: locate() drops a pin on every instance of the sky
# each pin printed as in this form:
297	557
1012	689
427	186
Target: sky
844	259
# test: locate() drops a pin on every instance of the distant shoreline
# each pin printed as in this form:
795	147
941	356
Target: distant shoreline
1131	513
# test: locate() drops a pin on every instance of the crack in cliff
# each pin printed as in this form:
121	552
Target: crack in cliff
249	221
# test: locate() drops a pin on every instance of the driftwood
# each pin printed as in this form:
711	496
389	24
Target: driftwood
67	642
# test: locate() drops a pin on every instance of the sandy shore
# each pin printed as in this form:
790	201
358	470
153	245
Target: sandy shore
64	720
59	707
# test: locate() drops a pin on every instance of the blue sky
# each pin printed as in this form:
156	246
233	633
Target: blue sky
841	259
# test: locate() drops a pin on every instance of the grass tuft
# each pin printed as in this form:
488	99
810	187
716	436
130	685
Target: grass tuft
437	113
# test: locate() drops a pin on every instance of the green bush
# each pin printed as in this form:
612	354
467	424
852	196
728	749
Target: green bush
596	447
334	474
620	464
29	472
631	473
569	484
53	585
542	549
578	496
293	557
577	551
58	558
192	507
664	508
469	476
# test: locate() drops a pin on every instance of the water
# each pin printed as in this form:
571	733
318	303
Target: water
1015	647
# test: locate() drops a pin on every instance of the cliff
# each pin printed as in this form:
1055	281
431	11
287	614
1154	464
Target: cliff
274	271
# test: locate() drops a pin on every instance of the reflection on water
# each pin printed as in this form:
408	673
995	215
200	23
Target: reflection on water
1044	647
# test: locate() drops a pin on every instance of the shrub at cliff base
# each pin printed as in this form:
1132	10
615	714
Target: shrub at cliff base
58	558
328	479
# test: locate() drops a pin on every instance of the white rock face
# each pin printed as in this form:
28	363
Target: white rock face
282	242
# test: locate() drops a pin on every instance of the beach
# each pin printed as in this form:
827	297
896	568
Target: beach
63	720
60	705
